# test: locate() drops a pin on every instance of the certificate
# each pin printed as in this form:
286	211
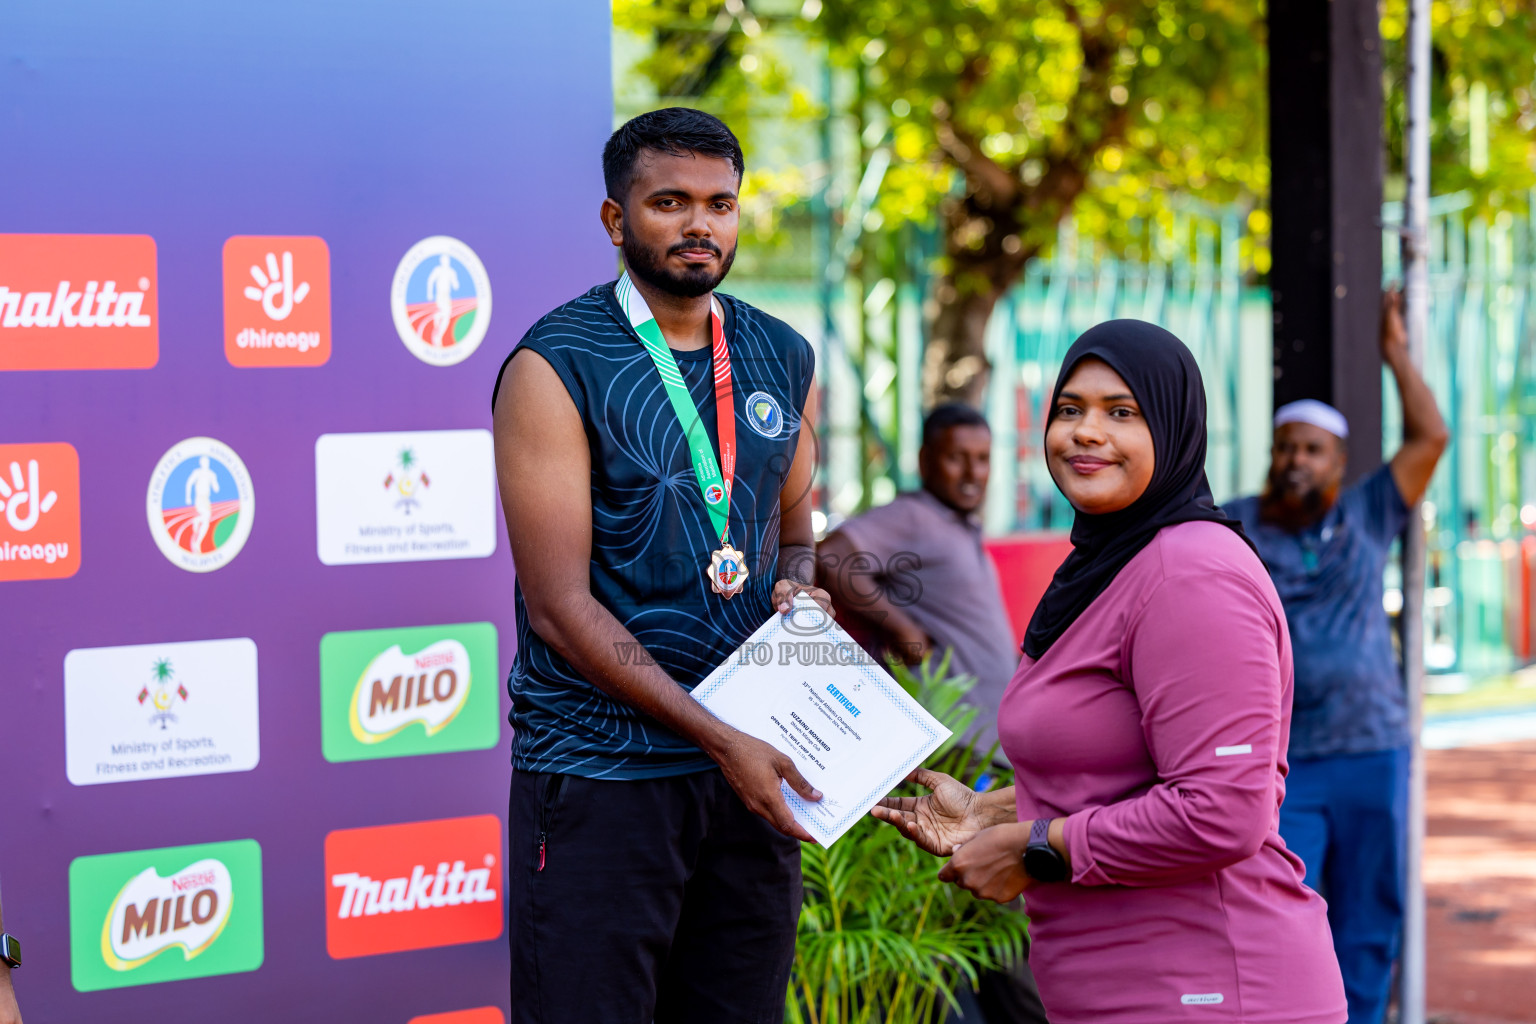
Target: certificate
803	685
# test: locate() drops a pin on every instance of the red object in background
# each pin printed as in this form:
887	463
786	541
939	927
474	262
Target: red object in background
1524	603
1025	564
483	1015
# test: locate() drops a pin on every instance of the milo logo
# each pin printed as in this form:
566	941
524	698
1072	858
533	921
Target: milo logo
153	914
150	916
402	692
397	689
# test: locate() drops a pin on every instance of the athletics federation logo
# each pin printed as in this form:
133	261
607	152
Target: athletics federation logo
201	504
727	573
441	300
714	494
764	414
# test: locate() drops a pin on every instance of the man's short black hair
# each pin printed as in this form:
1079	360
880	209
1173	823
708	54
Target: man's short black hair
677	131
951	414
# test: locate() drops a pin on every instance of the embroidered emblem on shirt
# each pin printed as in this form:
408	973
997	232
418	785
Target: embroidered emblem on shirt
764	414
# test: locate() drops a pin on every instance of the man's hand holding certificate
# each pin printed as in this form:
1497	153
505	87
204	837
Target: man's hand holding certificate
803	685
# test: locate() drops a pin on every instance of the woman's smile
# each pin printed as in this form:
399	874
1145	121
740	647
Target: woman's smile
1088	464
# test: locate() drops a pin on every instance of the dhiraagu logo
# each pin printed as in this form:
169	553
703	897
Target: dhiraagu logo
149	916
400	692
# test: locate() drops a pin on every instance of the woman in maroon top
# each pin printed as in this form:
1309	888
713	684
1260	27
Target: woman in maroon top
1147	727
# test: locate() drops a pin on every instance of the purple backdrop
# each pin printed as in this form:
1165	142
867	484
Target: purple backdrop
372	126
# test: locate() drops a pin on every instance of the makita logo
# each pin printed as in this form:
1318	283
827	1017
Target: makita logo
77	302
449	887
411	886
154	914
397	689
97	305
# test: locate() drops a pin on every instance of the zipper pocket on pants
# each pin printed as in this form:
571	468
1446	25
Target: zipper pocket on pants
554	790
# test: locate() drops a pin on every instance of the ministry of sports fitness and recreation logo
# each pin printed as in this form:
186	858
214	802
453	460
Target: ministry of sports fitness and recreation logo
441	300
404	496
406	480
39	511
277	301
201	504
413	886
78	302
400	692
165	915
764	414
155	711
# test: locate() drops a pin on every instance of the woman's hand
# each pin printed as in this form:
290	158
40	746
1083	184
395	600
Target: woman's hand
940	821
992	864
785	592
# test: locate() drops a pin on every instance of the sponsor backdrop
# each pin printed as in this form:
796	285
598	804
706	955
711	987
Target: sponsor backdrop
254	582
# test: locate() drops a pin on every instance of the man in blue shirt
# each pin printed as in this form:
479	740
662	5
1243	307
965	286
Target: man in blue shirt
644	432
1346	796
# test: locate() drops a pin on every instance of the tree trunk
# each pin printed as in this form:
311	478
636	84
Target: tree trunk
955	363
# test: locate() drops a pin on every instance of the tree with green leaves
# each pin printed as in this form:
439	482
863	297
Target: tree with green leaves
1001	117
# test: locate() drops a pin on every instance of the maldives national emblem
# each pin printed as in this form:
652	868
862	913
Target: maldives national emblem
407	479
162	697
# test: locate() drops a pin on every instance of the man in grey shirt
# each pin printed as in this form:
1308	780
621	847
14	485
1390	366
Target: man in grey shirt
912	577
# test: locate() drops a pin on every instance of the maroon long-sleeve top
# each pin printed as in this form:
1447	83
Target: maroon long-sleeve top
1157	726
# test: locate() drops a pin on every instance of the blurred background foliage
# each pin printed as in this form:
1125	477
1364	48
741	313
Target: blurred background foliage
999	118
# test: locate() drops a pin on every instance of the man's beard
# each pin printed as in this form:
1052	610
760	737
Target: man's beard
1294	509
651	267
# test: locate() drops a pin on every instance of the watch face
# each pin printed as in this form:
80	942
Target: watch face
1044	864
11	951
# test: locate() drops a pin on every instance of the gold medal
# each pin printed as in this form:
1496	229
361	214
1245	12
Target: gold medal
727	571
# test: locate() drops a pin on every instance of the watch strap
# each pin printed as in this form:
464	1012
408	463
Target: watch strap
1040	832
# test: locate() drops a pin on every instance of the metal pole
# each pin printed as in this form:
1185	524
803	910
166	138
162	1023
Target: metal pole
1415	252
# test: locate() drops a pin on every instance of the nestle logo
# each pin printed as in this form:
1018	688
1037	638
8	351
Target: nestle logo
199	880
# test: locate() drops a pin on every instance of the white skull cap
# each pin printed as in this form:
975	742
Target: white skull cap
1319	414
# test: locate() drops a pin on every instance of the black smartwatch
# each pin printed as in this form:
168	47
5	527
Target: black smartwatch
1041	860
10	949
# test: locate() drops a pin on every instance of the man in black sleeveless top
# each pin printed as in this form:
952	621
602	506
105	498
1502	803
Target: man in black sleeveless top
655	868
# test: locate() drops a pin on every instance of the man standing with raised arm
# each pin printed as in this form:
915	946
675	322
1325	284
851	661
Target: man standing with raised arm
1346	799
654	448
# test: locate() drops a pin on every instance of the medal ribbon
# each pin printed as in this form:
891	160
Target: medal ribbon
712	481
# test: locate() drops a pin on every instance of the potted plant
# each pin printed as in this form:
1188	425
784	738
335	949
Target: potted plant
880	938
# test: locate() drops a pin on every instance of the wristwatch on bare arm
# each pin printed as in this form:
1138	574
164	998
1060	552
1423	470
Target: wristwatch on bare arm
10	950
1041	861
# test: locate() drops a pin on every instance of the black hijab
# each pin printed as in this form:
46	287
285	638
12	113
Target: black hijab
1166	382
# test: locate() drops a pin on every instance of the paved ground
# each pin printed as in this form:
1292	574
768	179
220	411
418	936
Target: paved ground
1480	880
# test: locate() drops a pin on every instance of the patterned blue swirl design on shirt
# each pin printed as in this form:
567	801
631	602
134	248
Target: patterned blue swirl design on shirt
651	534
